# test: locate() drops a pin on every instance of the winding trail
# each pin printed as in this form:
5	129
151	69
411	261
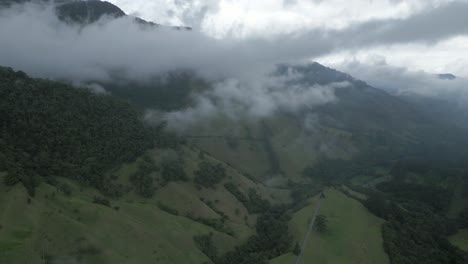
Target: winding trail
309	231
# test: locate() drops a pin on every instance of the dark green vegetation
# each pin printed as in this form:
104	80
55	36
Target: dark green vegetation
142	180
272	240
85	12
353	235
415	203
208	175
463	218
173	171
321	223
169	92
72	141
50	129
67	146
254	203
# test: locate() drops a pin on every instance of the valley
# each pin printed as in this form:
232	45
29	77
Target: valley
173	161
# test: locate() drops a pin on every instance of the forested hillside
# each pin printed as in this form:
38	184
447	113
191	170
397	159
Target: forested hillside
52	130
158	155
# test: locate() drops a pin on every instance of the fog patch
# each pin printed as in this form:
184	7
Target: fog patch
258	98
403	81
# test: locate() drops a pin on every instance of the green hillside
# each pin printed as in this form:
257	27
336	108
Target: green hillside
111	197
460	239
57	225
353	234
84	179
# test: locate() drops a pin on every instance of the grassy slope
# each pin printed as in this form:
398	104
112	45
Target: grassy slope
458	202
460	239
73	228
62	226
294	145
354	233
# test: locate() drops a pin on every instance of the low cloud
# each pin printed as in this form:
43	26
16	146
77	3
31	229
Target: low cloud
403	81
250	100
34	40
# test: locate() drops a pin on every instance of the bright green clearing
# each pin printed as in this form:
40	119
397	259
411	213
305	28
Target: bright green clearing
460	239
353	234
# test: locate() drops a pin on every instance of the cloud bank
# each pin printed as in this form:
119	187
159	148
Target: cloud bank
266	17
35	41
251	100
403	81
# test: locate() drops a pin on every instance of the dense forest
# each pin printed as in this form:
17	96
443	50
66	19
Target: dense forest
417	227
271	240
49	129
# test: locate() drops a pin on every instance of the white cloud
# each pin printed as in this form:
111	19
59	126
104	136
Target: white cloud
448	56
267	18
244	18
252	99
406	81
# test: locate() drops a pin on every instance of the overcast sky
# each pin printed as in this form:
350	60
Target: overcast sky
391	44
268	18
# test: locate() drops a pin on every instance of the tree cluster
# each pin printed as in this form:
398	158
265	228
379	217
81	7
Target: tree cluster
254	203
173	171
208	175
416	227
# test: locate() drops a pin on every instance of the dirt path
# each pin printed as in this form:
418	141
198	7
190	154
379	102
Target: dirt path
309	232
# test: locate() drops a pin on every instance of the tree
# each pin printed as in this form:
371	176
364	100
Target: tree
297	249
173	171
463	218
143	183
208	175
321	223
377	204
66	189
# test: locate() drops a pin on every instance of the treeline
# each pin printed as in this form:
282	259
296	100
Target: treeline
415	203
254	203
272	240
208	175
336	171
416	234
435	197
416	227
49	129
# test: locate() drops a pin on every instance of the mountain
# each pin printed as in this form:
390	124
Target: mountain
441	109
87	11
446	76
95	175
82	169
85	178
278	148
364	120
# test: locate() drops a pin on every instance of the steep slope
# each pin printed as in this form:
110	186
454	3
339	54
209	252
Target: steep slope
87	11
365	121
70	226
155	190
50	129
